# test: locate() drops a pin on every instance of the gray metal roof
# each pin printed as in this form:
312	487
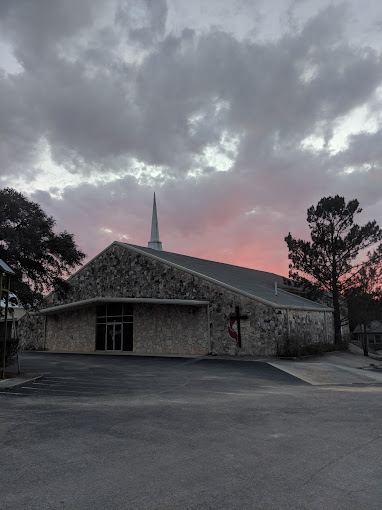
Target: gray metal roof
257	284
373	327
5	268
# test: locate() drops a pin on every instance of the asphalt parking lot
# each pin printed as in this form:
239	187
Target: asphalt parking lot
109	432
88	375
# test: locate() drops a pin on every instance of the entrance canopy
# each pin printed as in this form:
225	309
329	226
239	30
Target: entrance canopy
103	300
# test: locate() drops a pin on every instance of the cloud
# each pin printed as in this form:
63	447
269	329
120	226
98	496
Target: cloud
37	30
128	102
144	21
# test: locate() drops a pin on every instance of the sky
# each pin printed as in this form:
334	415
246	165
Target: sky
239	114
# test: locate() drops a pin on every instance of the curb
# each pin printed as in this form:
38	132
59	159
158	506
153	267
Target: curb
13	382
307	356
156	355
375	356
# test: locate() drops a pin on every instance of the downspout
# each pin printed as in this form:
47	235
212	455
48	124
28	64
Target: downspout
288	324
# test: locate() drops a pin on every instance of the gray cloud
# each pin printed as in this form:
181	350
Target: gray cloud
114	88
144	21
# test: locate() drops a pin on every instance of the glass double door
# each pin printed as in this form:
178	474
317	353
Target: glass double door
114	336
114	333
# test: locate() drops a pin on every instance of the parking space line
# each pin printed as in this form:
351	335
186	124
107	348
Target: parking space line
48	383
67	379
11	393
76	388
64	390
79	385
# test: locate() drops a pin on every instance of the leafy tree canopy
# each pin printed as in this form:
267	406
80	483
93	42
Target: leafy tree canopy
40	257
330	262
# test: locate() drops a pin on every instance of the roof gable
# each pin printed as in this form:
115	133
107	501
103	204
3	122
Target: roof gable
258	285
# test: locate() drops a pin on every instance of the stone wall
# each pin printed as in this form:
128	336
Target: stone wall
71	331
170	329
121	272
167	329
31	332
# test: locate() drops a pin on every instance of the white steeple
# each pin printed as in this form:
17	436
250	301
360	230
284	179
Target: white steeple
154	242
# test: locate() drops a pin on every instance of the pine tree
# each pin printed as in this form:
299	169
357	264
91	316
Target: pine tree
330	262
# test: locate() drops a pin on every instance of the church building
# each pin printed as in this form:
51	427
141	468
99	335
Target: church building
146	300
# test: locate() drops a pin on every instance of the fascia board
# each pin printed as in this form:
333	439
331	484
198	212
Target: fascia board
101	300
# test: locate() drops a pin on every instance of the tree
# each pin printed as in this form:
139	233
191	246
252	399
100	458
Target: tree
331	261
39	256
364	300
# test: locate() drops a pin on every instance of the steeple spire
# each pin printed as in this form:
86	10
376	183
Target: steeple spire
154	242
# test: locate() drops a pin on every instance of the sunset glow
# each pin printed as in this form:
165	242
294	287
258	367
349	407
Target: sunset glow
238	115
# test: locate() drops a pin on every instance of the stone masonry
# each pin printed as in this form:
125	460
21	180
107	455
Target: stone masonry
167	329
31	331
71	331
170	329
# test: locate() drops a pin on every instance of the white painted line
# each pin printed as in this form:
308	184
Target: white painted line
86	389
58	382
77	385
63	390
67	379
54	378
11	393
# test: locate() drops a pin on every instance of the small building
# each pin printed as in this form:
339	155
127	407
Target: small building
373	332
145	300
15	313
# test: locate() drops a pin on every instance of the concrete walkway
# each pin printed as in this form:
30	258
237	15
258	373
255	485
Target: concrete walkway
337	368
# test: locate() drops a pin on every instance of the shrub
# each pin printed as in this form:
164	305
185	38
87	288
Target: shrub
12	349
297	346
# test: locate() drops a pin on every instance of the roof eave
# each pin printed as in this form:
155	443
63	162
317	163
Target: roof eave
85	303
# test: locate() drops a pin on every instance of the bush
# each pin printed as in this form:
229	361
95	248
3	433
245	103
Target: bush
297	346
12	349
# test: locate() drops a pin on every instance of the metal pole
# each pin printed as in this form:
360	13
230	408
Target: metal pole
6	299
1	297
44	338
